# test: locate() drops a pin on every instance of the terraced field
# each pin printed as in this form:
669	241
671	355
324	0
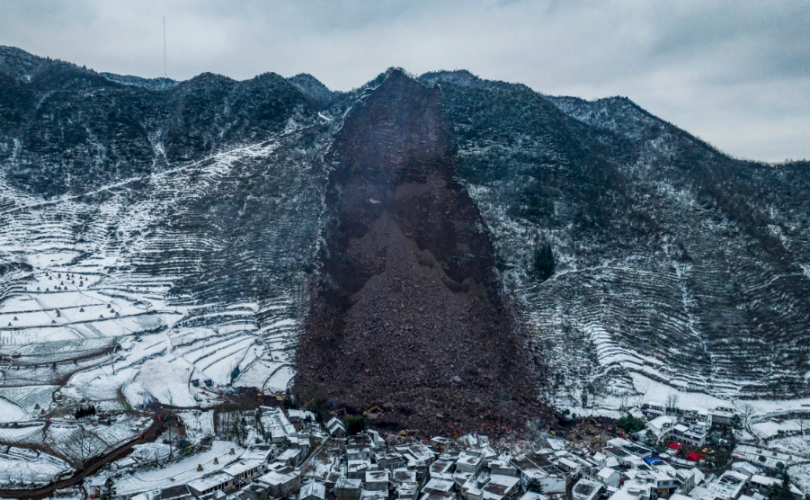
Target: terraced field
142	293
674	263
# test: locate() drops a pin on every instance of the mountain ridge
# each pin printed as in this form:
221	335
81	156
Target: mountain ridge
672	262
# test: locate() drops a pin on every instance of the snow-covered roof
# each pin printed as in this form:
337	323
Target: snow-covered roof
377	476
210	481
280	476
745	468
530	495
499	486
242	466
300	414
761	480
404	475
606	473
345	482
313	489
585	489
439	484
660	423
632	490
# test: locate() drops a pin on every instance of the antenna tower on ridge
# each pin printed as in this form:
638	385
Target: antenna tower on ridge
165	73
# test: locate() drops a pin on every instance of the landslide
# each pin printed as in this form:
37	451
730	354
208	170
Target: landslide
407	310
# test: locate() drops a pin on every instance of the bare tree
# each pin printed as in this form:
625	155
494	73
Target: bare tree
85	443
171	424
672	402
748	411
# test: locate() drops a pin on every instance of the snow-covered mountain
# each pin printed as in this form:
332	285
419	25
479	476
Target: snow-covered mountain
160	238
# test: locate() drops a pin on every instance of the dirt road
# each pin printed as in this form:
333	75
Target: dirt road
91	466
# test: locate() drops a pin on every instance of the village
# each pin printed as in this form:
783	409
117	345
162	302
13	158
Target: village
650	452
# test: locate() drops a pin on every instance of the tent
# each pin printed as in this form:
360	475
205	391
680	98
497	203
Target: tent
694	456
675	446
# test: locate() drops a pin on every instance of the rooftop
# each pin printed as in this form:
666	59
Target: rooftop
210	481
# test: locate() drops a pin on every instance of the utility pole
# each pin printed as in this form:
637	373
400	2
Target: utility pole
165	72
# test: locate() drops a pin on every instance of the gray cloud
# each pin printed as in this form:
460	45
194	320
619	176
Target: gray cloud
735	73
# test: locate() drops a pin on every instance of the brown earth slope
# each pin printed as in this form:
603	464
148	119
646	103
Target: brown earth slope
407	308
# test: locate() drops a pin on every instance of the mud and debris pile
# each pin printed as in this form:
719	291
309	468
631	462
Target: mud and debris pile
407	309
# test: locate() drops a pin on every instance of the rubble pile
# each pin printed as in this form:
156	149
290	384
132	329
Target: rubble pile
407	308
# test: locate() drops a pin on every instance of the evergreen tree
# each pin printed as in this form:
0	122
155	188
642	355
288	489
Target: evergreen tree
781	491
108	491
534	485
544	264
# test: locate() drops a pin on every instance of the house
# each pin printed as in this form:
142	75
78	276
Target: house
442	469
772	462
586	489
719	417
312	491
749	470
215	495
403	475
300	416
417	455
277	425
636	412
359	446
438	495
357	468
695	416
439	485
255	491
761	484
179	492
653	409
335	428
660	425
331	480
503	466
281	482
689	478
348	489
245	469
568	465
535	466
470	461
633	490
408	491
373	495
696	434
390	460
609	477
500	487
259	452
209	483
95	485
291	457
440	442
377	480
728	486
530	495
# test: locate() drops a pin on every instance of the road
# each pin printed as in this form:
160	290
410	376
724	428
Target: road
91	466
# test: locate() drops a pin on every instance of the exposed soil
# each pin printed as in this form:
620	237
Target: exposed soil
407	309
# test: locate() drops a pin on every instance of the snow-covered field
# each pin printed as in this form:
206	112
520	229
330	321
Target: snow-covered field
180	472
92	322
20	466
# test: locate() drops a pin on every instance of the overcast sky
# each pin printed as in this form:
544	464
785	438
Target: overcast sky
735	73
